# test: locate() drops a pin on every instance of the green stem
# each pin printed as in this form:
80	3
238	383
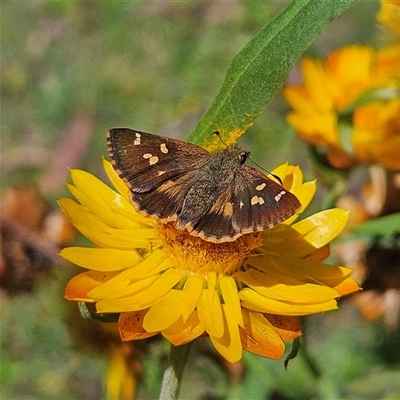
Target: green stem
173	373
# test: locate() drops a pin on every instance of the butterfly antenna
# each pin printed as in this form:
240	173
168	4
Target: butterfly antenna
268	172
217	133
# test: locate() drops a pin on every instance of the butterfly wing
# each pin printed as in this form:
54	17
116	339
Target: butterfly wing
216	225
156	169
259	203
163	174
252	203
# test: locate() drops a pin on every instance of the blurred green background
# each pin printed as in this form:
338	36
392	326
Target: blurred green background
70	71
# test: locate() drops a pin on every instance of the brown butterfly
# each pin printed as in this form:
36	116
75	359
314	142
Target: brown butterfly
211	195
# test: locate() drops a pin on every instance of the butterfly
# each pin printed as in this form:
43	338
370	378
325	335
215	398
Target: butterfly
211	195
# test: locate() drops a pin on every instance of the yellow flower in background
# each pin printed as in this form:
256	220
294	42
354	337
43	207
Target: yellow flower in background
245	294
339	98
389	15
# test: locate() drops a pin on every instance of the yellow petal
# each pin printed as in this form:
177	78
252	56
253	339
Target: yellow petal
260	337
133	279
228	345
91	187
161	286
307	235
78	287
280	170
151	264
101	259
299	99
351	81
321	228
108	215
272	306
230	295
133	215
113	239
164	312
288	289
320	129
191	295
122	304
180	333
210	313
296	175
97	196
121	286
98	231
316	82
308	271
117	182
211	281
305	193
347	286
123	205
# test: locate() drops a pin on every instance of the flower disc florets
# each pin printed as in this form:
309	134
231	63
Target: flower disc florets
195	255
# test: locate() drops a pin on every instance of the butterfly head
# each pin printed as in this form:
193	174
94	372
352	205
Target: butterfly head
243	156
233	152
236	155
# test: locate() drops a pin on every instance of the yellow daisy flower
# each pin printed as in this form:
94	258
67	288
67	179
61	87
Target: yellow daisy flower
356	85
246	294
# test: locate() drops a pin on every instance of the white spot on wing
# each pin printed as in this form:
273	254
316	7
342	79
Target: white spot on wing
153	160
279	195
164	148
241	204
138	137
161	173
147	155
256	200
261	186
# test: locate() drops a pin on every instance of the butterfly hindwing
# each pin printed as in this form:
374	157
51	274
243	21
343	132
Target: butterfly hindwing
252	203
217	224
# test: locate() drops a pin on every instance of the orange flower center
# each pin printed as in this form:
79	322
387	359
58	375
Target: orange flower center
195	255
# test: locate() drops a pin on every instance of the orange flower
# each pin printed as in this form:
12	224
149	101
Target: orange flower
350	105
389	15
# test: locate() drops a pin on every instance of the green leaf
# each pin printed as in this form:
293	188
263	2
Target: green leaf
346	129
87	313
258	72
371	96
293	352
387	225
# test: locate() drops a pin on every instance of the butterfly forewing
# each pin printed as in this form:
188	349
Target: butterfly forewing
165	202
158	170
145	161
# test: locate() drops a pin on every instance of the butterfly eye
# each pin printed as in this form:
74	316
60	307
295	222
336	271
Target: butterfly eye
243	156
